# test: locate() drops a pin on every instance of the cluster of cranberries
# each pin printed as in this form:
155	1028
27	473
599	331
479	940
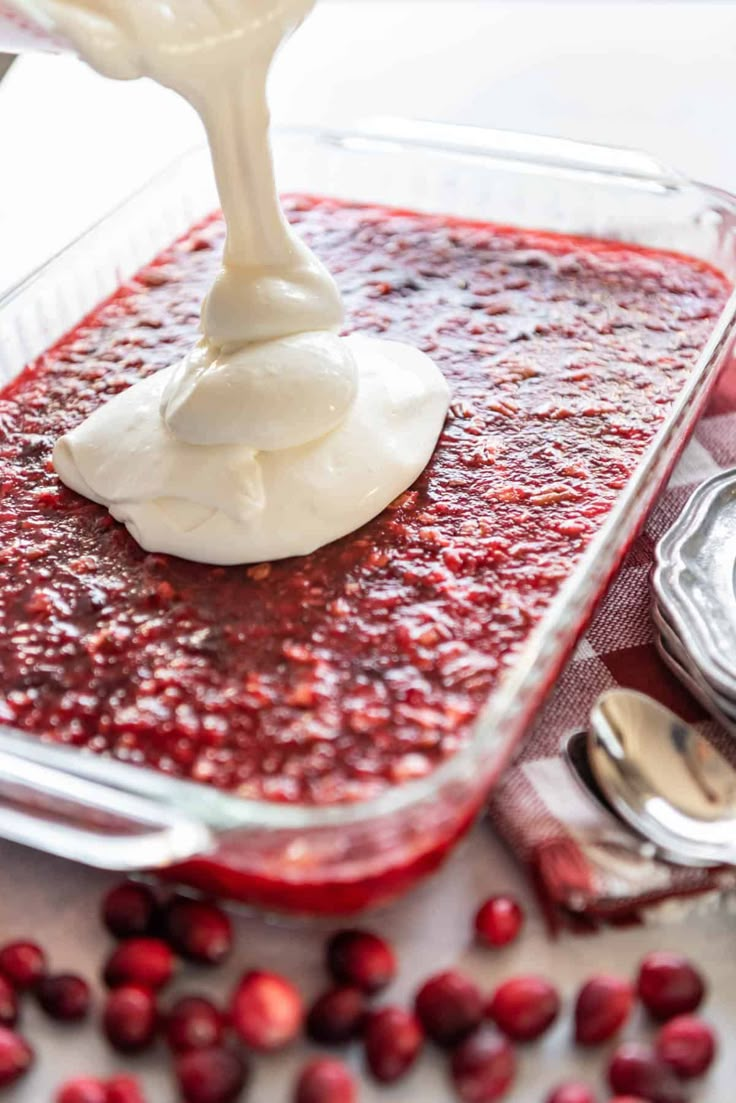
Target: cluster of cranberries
266	1013
65	997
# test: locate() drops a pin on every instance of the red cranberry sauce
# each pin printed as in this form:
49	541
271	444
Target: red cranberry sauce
331	677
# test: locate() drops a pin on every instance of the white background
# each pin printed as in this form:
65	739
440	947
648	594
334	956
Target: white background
658	75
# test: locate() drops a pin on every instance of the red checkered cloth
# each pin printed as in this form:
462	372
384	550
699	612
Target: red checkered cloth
587	867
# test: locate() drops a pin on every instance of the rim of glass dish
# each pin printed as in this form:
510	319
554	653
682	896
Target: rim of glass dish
496	730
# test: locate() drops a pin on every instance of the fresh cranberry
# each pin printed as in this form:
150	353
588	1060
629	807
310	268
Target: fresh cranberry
669	985
635	1069
498	921
128	910
266	1011
148	962
193	1023
325	1081
86	1089
198	930
627	1099
572	1093
362	959
8	1003
687	1045
16	1057
65	997
523	1008
124	1089
393	1039
483	1067
23	964
603	1005
214	1075
449	1007
130	1018
336	1016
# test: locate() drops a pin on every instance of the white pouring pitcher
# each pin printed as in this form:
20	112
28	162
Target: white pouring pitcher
26	25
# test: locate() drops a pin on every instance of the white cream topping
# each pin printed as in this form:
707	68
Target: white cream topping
247	506
310	379
274	436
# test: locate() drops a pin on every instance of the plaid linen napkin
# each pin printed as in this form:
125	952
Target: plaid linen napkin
588	868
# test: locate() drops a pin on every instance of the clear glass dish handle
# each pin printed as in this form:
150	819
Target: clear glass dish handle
505	145
48	803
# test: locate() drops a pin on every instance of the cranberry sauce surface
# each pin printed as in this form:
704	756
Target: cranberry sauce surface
328	678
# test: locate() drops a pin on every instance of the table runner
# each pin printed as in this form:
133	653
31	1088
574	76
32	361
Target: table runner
588	868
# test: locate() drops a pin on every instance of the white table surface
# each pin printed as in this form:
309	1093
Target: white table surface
661	76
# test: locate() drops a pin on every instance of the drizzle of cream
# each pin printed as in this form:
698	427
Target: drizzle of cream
274	435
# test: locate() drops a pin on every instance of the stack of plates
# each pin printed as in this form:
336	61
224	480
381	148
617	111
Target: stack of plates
695	597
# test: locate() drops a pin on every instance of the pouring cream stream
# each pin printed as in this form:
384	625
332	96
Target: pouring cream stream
275	435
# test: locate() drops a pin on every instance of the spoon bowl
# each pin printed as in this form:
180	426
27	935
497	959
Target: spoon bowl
663	778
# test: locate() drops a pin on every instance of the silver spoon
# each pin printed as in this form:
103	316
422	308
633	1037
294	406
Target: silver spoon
575	753
663	778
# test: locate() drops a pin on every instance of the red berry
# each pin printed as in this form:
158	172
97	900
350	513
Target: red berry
449	1007
362	959
498	921
23	964
128	910
130	1018
16	1057
336	1016
572	1093
266	1011
669	985
325	1081
603	1005
124	1089
193	1023
198	930
483	1067
8	1003
214	1075
148	962
636	1070
687	1045
393	1039
65	997
627	1099
84	1090
523	1008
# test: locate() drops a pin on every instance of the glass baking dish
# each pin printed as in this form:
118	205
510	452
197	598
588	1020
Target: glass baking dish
342	858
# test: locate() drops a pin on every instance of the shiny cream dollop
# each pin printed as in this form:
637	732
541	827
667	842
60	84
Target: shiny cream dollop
274	436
